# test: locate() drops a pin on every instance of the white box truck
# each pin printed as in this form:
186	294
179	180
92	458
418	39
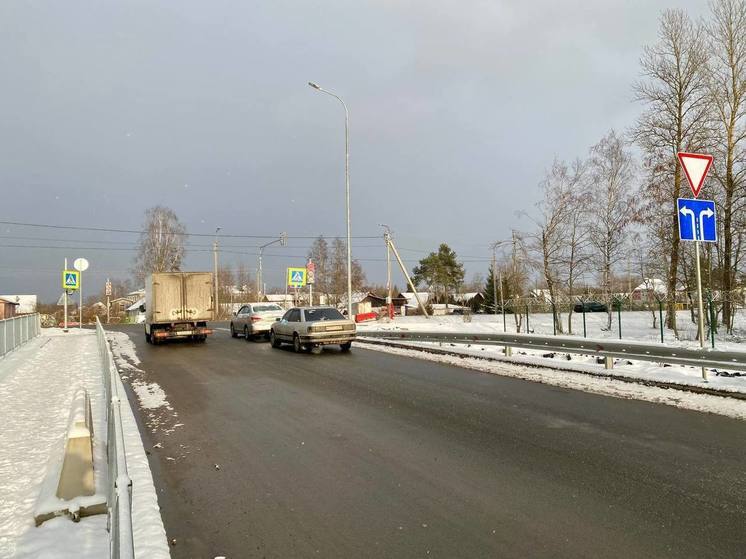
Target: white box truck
178	305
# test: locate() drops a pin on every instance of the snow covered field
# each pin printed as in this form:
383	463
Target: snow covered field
37	383
638	328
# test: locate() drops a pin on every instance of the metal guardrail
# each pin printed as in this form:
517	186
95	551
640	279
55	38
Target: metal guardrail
119	497
657	353
18	330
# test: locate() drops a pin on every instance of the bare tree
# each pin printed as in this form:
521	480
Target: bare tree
612	205
338	271
161	245
675	91
244	282
319	254
576	256
555	217
726	33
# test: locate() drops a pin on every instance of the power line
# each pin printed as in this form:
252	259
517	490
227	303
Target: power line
138	232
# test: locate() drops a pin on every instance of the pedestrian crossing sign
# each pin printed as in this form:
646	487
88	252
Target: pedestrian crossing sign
296	277
70	279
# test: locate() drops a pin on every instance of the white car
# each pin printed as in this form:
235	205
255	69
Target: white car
255	319
313	327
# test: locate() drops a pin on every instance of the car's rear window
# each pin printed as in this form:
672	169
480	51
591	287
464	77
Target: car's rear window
312	315
265	308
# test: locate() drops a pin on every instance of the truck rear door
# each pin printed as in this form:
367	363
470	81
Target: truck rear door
167	297
198	296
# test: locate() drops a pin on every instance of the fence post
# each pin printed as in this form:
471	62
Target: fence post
554	319
660	317
526	319
619	317
585	332
713	326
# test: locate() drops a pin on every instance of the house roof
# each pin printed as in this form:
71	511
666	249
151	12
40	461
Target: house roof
652	284
4	300
412	300
136	305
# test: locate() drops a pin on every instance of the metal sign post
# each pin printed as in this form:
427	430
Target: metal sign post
108	295
63	287
81	265
310	280
697	222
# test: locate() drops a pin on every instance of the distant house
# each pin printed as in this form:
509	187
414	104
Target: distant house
285	301
26	303
8	309
411	300
469	299
134	314
119	305
650	290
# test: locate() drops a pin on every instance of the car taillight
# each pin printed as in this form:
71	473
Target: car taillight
256	318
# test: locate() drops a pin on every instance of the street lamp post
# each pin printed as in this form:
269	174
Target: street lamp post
215	271
259	274
347	194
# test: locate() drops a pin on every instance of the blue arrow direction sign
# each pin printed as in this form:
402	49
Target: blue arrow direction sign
697	220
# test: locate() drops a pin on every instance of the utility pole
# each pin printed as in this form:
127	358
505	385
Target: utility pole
494	285
406	275
215	272
389	296
502	303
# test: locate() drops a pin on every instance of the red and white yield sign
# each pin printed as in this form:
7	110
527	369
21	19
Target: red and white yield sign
696	166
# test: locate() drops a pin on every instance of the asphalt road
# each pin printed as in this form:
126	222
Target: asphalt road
373	455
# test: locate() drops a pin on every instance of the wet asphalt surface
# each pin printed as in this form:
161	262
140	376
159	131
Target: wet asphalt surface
372	455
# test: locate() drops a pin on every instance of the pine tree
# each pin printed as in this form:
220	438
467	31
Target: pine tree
440	270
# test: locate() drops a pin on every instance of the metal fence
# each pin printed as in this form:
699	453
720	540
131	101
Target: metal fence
119	498
569	344
18	330
588	316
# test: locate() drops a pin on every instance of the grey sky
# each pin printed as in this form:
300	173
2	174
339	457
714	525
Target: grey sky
457	108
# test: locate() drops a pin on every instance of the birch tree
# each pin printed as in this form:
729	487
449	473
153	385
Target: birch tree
161	244
674	90
611	206
726	34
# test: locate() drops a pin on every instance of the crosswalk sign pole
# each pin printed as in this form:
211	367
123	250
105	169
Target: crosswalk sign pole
65	328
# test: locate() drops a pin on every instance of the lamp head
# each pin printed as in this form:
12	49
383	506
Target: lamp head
314	85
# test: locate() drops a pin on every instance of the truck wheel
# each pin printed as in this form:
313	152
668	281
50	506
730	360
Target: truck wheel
297	346
233	332
346	346
273	341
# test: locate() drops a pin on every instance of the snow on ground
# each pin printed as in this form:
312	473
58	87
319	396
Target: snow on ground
37	383
636	325
730	407
160	416
638	329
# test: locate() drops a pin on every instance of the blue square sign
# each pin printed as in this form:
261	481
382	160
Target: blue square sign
697	220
